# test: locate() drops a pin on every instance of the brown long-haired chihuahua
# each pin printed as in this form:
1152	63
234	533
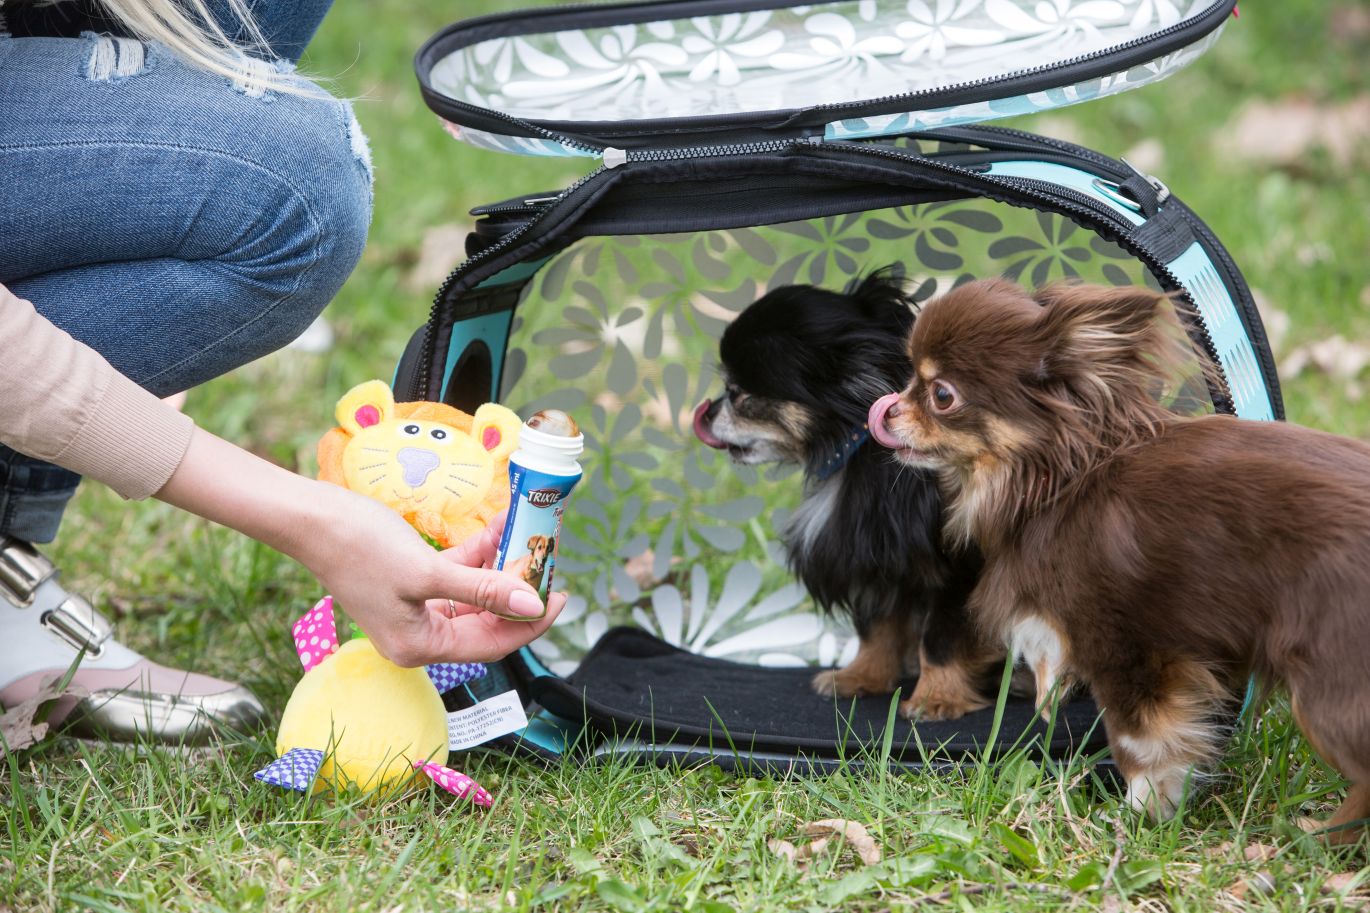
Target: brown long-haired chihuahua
1159	560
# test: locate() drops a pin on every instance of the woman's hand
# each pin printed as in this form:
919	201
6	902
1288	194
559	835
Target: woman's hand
421	606
380	570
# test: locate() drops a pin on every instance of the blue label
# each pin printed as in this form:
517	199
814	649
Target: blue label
529	544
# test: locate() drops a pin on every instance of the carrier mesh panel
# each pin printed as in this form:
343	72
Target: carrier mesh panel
815	54
663	532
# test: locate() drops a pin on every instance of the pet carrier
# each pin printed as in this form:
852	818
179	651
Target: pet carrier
743	146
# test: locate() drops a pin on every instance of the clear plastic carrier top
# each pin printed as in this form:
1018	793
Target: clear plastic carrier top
580	80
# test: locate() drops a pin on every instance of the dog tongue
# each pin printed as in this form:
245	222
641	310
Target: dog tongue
702	430
876	420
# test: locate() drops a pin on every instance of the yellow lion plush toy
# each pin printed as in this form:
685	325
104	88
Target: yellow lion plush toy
444	471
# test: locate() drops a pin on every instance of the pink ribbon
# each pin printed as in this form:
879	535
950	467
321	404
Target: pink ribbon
316	634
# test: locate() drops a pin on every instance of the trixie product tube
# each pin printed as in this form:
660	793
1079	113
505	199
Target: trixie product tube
542	473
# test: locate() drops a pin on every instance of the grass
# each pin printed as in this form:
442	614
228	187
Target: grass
108	828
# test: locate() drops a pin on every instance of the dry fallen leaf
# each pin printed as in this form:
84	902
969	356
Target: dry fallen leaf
1282	132
1148	156
442	248
1258	885
17	728
1339	882
853	831
1260	852
1275	321
639	568
783	848
1221	851
1335	356
1349	23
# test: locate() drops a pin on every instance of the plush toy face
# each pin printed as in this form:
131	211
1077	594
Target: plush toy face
420	466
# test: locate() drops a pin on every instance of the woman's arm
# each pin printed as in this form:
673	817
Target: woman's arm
61	401
380	571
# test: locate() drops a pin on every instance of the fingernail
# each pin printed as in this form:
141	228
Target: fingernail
523	602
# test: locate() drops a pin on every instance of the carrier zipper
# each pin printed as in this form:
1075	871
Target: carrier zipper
1201	24
615	157
612	159
1009	190
1090	210
1189	31
426	352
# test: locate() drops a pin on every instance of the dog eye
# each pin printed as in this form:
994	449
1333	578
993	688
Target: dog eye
943	396
735	393
410	430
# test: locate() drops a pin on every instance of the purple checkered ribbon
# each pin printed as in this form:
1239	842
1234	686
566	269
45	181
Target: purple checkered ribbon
293	770
447	676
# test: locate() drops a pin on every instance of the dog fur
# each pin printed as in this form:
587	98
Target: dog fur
802	365
531	565
1159	560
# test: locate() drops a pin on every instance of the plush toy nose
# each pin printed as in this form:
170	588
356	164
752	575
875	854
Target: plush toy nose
884	407
417	463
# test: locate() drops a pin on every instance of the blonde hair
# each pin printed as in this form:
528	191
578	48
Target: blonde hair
191	32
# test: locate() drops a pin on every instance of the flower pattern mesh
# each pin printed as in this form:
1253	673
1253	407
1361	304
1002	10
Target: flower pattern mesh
663	532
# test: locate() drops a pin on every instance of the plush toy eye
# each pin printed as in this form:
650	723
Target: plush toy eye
438	434
410	430
944	396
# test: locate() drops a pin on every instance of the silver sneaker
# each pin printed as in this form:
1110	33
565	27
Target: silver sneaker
127	696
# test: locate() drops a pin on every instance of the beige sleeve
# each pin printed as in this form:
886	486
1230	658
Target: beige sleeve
61	401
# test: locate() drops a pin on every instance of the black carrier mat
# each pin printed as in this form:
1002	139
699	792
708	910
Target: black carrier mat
742	147
635	685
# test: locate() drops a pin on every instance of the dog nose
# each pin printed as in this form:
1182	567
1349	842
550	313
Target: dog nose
417	463
881	410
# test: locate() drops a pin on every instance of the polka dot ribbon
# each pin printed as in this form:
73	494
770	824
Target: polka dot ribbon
316	634
458	784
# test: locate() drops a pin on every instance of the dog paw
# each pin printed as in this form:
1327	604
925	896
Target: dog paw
932	709
942	693
841	683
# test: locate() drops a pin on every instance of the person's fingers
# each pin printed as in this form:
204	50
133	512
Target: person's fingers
451	608
496	524
485	637
492	591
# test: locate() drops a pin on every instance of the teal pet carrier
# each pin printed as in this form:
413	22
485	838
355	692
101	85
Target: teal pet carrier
740	147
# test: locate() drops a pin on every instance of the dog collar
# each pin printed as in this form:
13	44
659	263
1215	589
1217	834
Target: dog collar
853	440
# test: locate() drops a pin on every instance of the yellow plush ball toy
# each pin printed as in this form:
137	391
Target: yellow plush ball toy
376	718
357	720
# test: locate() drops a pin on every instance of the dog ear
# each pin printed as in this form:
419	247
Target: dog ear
881	295
1129	339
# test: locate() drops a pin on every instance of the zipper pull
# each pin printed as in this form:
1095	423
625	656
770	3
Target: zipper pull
614	157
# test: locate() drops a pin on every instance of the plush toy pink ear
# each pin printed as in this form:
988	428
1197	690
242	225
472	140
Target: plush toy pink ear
367	416
316	634
365	405
497	429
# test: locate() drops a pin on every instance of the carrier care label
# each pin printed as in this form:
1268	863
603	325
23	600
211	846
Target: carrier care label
490	719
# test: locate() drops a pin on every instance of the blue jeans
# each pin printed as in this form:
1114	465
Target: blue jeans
176	223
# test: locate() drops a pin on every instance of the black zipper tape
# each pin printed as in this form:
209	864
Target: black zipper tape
778	124
556	220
